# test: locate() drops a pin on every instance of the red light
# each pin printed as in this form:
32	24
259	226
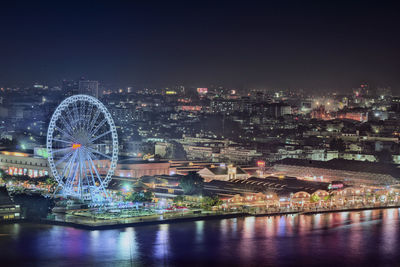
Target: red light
75	146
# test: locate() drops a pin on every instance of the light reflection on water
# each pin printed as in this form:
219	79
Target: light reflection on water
347	238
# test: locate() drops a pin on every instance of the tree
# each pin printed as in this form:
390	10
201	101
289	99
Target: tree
191	183
178	199
314	198
208	202
142	196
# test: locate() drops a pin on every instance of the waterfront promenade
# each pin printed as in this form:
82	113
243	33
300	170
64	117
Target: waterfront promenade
95	224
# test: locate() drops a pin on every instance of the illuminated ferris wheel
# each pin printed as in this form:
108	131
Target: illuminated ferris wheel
82	145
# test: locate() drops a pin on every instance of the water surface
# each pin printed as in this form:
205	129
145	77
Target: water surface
365	238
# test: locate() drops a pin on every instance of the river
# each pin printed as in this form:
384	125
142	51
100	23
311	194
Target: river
363	238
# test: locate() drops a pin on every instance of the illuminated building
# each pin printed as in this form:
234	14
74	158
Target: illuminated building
202	91
320	113
8	209
189	108
130	168
348	171
223	173
353	114
17	163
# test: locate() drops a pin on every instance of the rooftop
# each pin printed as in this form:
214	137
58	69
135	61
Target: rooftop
224	170
346	165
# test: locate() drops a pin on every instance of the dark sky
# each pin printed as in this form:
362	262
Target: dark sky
295	44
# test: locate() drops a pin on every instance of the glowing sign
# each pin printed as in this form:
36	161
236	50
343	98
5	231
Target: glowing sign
261	163
40	152
75	146
202	90
335	186
190	108
16	154
170	92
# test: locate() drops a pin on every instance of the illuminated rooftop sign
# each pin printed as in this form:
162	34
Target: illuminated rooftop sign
16	154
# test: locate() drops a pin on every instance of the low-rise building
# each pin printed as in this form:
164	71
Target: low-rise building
8	209
349	171
20	163
223	173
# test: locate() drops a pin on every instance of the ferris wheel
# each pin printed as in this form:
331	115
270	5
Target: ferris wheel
82	146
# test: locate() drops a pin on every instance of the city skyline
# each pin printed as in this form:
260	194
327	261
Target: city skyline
269	45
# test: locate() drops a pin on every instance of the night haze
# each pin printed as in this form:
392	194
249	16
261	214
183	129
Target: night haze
281	44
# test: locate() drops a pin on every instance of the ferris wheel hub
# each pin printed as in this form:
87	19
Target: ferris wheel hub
76	146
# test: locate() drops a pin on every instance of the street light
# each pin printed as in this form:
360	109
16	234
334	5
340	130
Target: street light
127	187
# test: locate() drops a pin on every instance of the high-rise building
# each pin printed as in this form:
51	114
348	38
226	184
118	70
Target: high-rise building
69	88
89	88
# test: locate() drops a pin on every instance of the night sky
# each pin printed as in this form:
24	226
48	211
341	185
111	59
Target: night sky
276	44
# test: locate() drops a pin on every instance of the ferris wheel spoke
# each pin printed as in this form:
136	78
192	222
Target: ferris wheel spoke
65	133
88	116
94	119
70	118
97	174
71	164
67	166
64	158
73	174
63	141
61	150
89	187
91	172
81	178
74	177
71	171
100	136
98	126
75	111
90	177
82	112
85	171
99	153
66	124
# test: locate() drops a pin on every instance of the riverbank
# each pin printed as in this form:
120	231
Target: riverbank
318	211
106	225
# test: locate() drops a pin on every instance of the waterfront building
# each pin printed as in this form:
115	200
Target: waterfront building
131	168
8	209
227	173
20	163
350	172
